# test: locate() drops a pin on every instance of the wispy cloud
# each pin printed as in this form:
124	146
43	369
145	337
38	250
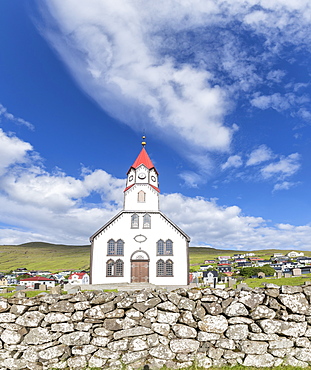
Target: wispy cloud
285	167
259	155
234	161
285	185
10	117
181	68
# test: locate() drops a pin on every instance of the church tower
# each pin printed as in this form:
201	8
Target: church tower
140	244
142	186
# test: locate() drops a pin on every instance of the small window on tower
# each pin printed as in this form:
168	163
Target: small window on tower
134	221
141	197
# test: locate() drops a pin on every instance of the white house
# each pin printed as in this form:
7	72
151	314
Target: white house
210	278
79	278
294	254
140	244
36	281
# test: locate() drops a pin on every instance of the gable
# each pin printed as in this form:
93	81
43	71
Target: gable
139	212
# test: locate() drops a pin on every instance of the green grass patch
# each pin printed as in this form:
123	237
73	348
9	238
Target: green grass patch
29	294
44	256
292	281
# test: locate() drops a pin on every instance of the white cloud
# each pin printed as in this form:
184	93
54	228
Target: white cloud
160	61
233	161
113	49
12	150
9	116
285	185
226	227
285	167
278	101
276	75
259	155
56	208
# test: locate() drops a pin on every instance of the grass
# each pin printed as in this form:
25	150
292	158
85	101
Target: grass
44	256
293	281
29	294
57	257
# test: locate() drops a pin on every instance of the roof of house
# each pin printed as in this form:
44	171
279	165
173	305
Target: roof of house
37	278
80	274
143	158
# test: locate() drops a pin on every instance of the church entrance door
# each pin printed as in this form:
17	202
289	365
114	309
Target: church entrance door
140	271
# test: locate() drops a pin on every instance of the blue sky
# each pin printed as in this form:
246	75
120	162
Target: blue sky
220	88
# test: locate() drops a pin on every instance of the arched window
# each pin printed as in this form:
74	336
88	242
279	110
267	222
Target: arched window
165	248
141	197
160	247
169	247
165	268
111	247
146	221
114	268
169	268
120	247
160	268
115	248
134	221
110	268
119	268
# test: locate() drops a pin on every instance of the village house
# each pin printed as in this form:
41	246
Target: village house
294	254
79	278
140	244
36	281
210	278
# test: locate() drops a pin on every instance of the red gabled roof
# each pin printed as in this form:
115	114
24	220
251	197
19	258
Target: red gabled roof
80	274
143	158
37	278
154	187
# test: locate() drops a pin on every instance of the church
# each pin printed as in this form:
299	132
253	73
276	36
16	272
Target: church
140	244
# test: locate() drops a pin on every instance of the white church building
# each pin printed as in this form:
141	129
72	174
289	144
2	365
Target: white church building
140	244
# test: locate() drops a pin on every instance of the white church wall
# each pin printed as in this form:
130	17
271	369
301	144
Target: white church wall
121	229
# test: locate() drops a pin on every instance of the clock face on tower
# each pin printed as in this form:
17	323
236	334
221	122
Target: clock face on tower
142	176
131	178
153	178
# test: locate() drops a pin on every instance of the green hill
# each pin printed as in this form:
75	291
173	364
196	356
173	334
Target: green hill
44	256
57	257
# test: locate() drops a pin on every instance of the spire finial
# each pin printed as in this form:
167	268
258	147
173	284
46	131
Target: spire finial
143	143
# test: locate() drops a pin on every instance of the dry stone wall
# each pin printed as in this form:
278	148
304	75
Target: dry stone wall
210	327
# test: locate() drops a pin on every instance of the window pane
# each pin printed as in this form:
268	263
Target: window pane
169	247
135	224
111	247
119	268
160	247
169	268
120	245
160	268
110	268
147	221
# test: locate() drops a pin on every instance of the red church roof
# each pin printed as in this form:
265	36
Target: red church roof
143	158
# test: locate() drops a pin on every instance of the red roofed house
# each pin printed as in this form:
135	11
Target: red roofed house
79	278
140	244
35	281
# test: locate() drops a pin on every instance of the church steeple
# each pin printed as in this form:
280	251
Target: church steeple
142	176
